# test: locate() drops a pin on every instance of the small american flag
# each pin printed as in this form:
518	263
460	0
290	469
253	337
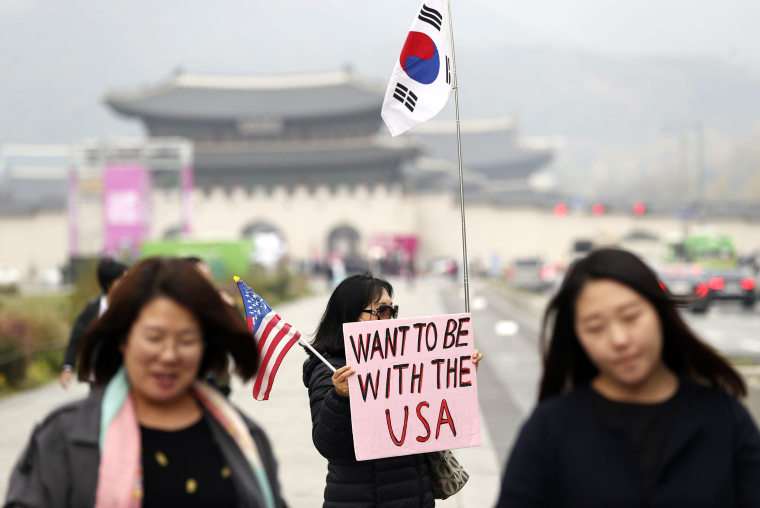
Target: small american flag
274	338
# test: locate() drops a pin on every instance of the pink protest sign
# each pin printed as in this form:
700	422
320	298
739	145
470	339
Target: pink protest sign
415	388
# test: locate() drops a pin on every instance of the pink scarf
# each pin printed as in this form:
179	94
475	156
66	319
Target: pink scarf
120	471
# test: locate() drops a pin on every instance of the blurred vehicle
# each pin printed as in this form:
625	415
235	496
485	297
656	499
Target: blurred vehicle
532	273
443	266
751	262
710	250
9	279
644	244
580	247
736	283
715	255
687	283
51	277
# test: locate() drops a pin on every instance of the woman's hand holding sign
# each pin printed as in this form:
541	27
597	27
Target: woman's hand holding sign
476	357
340	380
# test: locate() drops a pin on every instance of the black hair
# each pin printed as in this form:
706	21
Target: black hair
224	333
108	271
193	259
566	364
347	301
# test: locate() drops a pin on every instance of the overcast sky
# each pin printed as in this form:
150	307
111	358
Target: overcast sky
58	58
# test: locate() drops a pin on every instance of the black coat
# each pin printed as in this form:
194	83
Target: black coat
396	482
565	456
88	315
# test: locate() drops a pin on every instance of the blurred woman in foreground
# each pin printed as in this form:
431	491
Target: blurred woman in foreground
153	434
634	410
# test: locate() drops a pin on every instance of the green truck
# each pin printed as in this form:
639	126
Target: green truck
225	258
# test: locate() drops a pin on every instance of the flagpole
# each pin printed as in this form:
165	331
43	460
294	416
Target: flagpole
311	348
455	87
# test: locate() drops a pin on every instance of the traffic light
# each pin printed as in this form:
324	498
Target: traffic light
597	209
639	208
560	210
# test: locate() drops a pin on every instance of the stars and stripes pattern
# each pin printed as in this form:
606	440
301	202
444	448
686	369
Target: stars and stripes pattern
274	338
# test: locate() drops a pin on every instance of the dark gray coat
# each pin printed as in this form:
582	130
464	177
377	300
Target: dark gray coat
395	482
59	467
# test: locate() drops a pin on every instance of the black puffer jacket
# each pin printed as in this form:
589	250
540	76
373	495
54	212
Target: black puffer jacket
396	482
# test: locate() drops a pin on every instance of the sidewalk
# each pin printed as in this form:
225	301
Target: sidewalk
287	421
21	412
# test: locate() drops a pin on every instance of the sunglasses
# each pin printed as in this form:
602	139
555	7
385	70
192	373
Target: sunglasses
384	311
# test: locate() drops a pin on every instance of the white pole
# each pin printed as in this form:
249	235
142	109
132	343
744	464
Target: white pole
306	344
455	87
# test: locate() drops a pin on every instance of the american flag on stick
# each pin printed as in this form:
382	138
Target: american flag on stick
274	338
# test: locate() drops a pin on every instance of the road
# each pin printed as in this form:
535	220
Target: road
508	377
730	328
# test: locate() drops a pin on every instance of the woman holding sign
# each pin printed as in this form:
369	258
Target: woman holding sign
634	410
388	482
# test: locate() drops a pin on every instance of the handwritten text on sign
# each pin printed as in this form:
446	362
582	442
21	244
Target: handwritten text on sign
415	388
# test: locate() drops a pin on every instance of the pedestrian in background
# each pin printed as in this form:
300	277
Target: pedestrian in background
152	432
108	272
388	482
634	410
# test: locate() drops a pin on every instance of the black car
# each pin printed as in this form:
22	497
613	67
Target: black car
732	284
687	283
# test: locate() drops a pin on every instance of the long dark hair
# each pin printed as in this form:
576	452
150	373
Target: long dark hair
566	364
345	304
224	333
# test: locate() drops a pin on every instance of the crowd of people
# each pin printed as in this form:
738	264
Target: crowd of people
634	409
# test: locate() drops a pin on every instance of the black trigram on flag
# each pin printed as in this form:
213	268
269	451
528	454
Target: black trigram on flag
448	70
405	97
431	16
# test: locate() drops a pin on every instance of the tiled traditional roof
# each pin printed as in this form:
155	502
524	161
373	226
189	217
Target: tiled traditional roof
212	97
491	147
354	152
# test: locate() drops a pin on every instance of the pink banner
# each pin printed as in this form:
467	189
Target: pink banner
126	194
415	388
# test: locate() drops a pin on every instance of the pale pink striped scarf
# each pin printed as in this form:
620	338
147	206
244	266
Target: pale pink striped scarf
120	471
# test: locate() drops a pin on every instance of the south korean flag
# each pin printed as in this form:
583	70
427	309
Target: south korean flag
421	81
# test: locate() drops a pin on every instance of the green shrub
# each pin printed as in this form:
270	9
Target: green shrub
274	286
32	330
